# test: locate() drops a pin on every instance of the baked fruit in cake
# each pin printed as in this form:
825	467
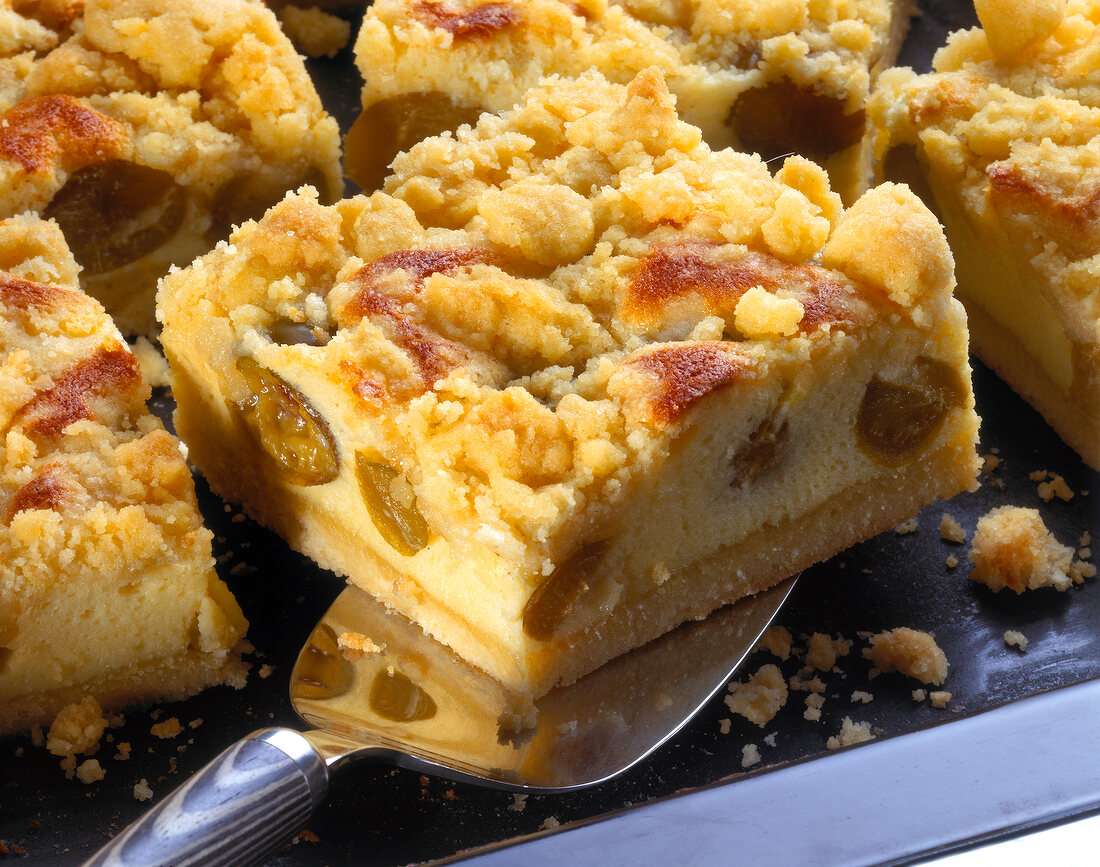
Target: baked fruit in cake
1003	137
575	377
107	583
147	128
772	77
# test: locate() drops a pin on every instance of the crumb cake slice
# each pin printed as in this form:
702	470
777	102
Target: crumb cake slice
577	377
147	128
107	583
1003	138
772	77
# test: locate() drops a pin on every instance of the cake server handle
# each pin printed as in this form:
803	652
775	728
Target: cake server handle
237	810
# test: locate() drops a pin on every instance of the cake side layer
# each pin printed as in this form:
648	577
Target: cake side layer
170	678
807	497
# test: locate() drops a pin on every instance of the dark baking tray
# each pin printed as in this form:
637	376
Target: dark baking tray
383	816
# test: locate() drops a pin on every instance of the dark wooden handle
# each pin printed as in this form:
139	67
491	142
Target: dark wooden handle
235	811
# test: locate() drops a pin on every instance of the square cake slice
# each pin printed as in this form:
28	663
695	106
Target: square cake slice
773	77
107	583
576	377
1003	139
147	128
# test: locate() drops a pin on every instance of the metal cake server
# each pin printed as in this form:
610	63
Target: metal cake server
414	704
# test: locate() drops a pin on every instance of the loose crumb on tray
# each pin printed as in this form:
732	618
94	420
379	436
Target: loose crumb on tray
850	733
170	728
1015	638
142	792
1013	548
777	640
750	755
952	530
909	651
77	728
761	697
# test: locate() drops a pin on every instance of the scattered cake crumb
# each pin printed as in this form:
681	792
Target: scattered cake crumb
77	728
906	527
1055	487
724	725
939	698
1015	638
519	803
90	771
823	651
850	733
951	529
1080	570
952	561
549	823
195	723
862	697
990	463
812	714
142	792
770	739
750	755
170	728
909	651
265	671
761	697
777	640
123	751
355	646
919	695
1013	548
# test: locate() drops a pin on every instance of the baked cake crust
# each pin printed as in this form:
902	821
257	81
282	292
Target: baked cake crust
107	583
766	76
147	128
1004	138
575	377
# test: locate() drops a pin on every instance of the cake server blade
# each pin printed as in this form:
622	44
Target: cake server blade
371	685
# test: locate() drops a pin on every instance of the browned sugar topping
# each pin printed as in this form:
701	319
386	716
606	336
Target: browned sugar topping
35	131
433	355
1006	180
480	22
49	489
23	294
687	373
671	272
418	264
108	370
